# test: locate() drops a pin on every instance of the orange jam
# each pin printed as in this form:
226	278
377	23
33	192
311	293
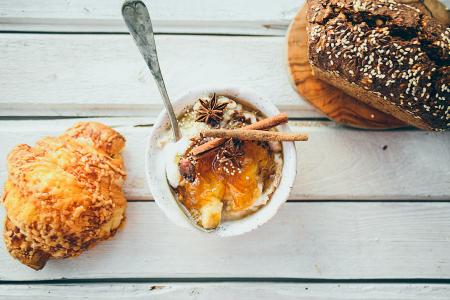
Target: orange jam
227	188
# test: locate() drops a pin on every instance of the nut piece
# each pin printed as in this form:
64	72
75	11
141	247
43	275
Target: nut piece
187	169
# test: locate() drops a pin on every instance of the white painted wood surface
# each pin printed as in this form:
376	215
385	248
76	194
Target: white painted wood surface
227	291
70	75
105	75
336	163
304	240
169	16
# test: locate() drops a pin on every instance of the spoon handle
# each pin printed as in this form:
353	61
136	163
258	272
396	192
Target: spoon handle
138	21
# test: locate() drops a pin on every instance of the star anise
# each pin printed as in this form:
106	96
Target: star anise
230	152
210	111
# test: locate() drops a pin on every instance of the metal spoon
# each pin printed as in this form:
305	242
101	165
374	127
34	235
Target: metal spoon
138	21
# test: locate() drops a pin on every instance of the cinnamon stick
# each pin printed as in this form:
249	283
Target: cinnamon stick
268	122
254	135
260	125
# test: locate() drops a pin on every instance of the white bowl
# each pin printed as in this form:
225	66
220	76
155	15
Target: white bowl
162	192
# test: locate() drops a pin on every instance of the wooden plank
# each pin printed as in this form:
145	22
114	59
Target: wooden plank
336	163
304	240
169	16
225	291
104	75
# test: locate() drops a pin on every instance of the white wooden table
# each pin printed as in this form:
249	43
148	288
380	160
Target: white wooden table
369	216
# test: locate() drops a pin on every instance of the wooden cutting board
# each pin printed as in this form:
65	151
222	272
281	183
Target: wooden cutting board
334	103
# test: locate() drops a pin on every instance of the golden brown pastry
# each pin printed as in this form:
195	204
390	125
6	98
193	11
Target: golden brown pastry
65	194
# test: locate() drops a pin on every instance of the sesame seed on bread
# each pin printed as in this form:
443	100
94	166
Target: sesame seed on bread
386	54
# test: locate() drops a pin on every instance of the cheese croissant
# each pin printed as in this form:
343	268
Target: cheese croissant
65	194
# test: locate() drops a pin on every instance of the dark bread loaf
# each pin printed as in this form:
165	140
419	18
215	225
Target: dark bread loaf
386	54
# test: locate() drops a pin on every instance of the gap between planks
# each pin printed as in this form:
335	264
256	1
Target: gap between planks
210	280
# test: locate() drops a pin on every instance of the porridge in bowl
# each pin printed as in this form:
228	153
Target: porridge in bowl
222	179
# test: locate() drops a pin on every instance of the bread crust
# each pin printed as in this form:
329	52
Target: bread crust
388	55
369	98
64	194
